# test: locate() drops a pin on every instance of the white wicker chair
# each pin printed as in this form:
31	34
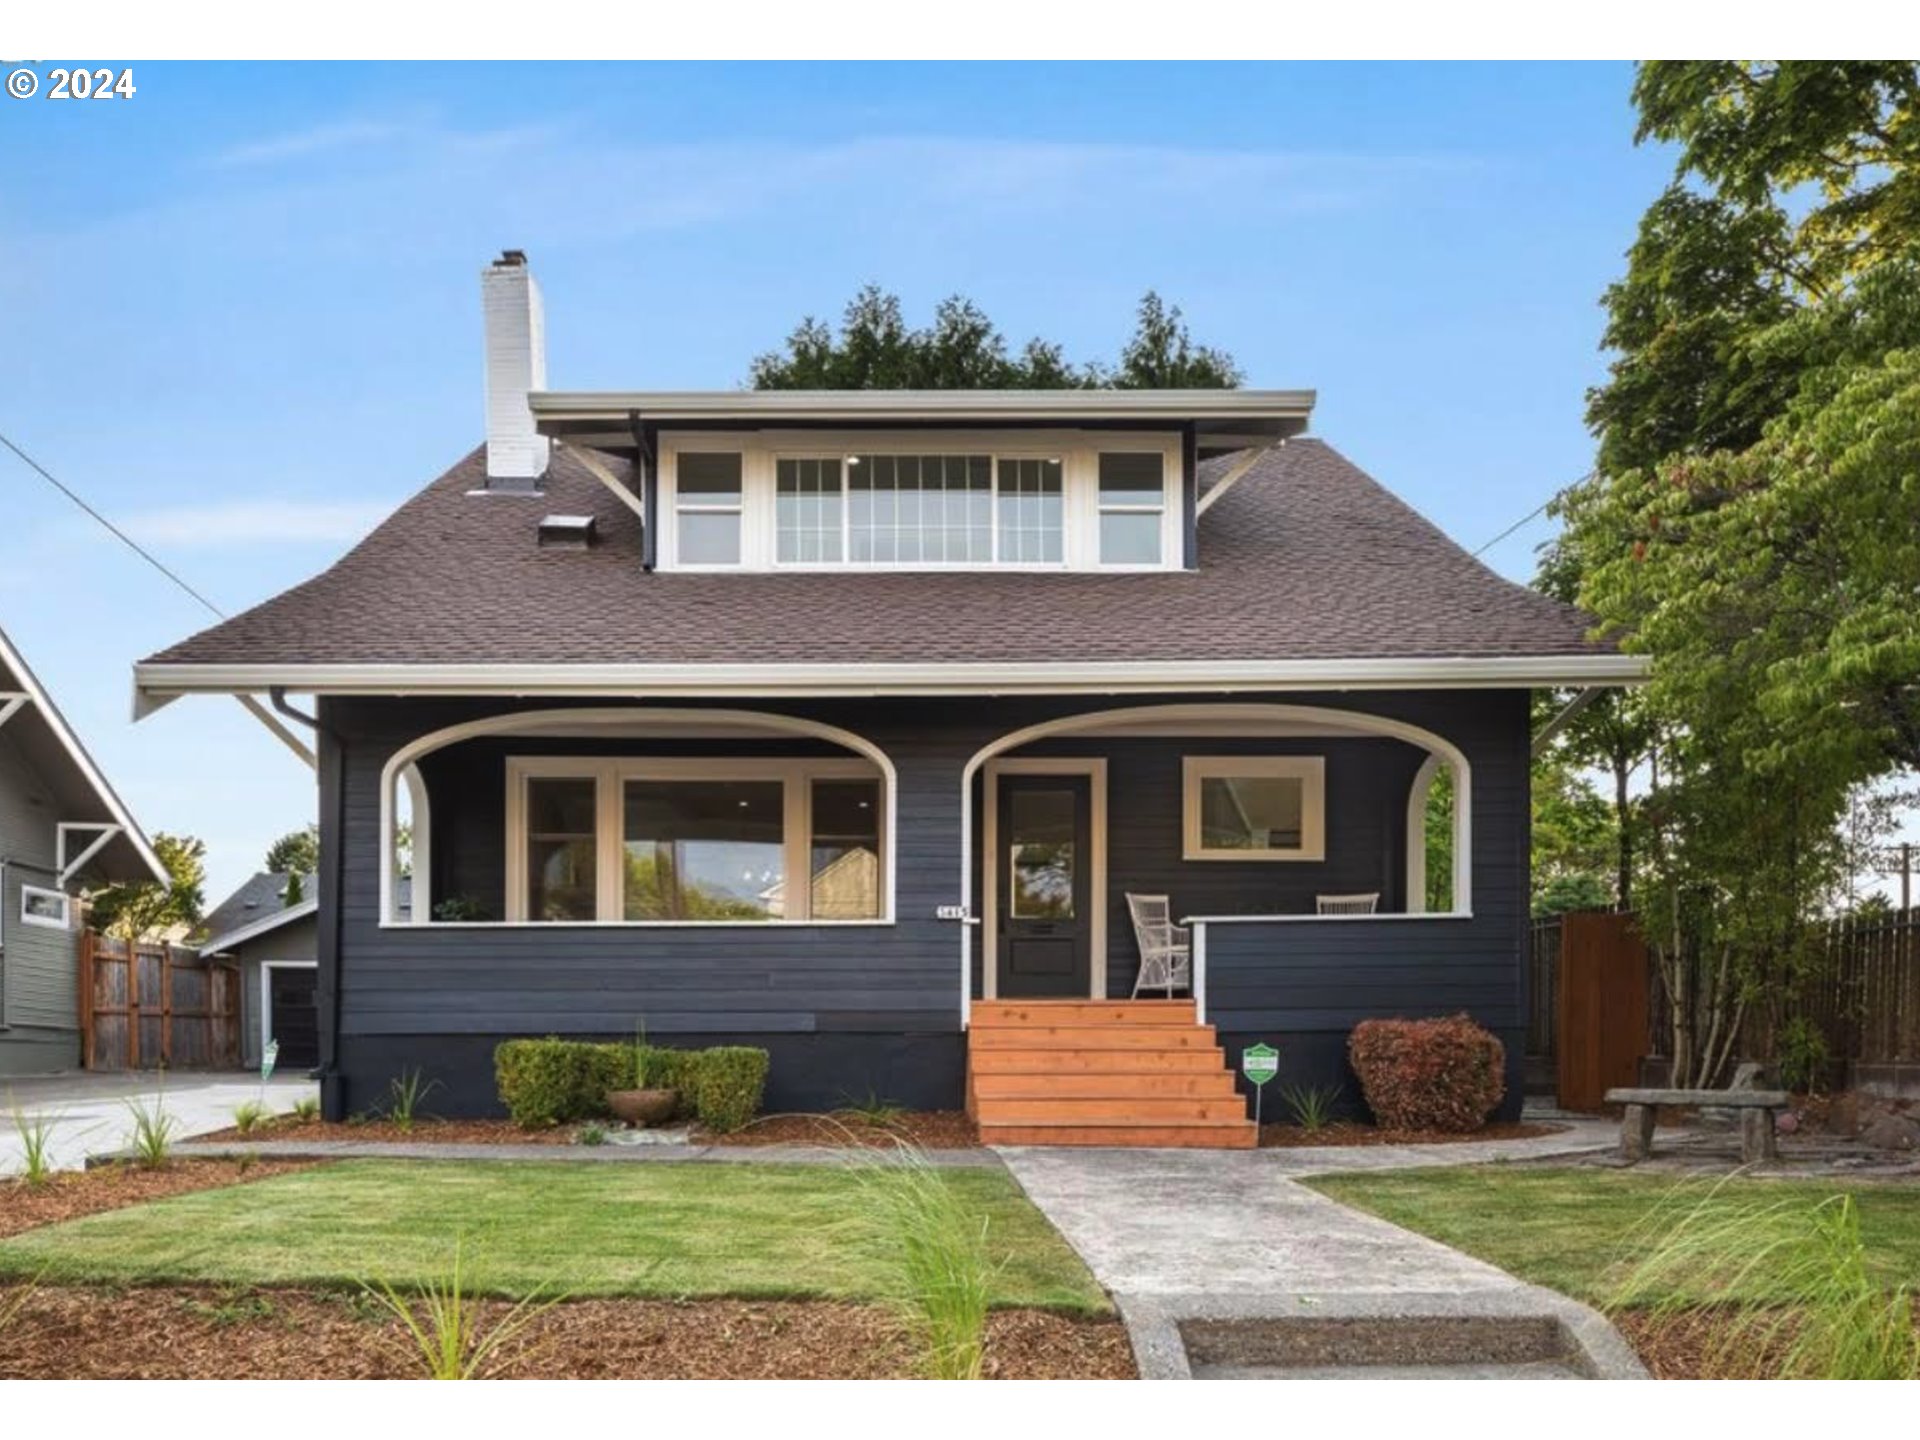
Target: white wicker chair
1166	949
1347	904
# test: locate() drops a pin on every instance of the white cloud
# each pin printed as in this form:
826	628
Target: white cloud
257	522
300	144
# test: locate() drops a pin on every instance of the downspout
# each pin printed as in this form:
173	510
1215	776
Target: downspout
331	880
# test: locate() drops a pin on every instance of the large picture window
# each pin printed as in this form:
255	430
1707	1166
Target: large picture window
693	841
1255	807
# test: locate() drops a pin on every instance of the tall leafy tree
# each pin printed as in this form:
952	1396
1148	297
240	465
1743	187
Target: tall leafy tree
295	853
876	349
148	909
1754	521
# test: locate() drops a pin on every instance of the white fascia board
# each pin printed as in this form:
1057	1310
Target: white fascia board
36	695
663	406
253	930
156	683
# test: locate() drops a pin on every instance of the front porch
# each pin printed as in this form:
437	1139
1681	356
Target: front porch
856	884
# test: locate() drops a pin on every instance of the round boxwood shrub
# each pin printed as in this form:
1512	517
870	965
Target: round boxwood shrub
731	1079
551	1082
1428	1074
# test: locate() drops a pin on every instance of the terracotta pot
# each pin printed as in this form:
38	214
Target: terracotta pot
643	1107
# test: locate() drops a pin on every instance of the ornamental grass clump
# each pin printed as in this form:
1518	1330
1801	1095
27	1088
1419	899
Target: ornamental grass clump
1789	1287
1311	1105
444	1322
36	1145
941	1271
151	1138
1428	1074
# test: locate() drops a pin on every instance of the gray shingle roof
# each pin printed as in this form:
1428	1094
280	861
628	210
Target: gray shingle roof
1305	557
263	895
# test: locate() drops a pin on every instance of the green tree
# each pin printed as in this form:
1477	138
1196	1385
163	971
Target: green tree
296	852
149	909
1841	136
876	349
1753	522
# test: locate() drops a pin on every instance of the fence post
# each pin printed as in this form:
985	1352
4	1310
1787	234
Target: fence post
132	953
166	1004
86	999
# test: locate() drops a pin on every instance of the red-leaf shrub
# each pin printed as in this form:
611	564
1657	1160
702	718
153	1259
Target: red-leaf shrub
1428	1074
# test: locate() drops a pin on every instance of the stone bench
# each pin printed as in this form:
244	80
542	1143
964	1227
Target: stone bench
1757	1109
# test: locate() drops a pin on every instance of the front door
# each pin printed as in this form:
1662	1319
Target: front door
1044	945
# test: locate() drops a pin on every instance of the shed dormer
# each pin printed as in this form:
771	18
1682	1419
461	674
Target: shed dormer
1069	480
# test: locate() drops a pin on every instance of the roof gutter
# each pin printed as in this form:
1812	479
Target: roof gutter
156	683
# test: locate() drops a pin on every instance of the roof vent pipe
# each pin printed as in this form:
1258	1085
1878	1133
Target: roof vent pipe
517	454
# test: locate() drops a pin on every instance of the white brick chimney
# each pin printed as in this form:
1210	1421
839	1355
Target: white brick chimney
516	363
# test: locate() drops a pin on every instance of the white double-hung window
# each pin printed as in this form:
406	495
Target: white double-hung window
709	504
1133	507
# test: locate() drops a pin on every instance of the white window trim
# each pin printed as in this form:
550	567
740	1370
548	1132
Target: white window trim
1311	770
27	917
610	773
1078	450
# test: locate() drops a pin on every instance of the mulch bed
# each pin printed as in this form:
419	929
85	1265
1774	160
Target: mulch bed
928	1129
70	1194
1347	1132
204	1333
425	1131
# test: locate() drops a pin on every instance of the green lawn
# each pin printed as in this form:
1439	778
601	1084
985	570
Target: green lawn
584	1229
1577	1230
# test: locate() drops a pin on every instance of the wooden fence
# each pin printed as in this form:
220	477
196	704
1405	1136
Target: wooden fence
145	1007
1862	993
1586	1006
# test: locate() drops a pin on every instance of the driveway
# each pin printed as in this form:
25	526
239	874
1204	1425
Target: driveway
90	1111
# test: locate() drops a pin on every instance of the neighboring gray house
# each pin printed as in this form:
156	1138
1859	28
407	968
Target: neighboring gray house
62	830
275	944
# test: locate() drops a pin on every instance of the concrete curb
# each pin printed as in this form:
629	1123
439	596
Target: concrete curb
1160	1350
559	1154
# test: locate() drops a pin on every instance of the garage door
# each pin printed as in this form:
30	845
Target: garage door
294	1018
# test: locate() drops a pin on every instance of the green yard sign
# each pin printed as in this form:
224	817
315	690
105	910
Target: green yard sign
267	1056
1259	1063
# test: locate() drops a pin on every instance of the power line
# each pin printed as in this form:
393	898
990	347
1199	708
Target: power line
1531	515
113	529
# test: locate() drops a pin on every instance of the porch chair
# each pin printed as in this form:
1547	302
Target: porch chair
1166	949
1347	904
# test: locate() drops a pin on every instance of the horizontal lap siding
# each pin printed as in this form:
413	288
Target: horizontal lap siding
1307	983
904	977
774	979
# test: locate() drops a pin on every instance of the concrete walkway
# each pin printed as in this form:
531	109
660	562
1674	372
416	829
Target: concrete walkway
90	1111
1176	1235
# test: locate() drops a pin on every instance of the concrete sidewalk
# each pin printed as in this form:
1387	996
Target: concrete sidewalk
1176	1235
91	1115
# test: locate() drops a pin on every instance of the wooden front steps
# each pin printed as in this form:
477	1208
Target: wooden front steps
1101	1072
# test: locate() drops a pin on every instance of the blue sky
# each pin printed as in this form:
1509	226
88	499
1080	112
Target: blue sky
240	311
